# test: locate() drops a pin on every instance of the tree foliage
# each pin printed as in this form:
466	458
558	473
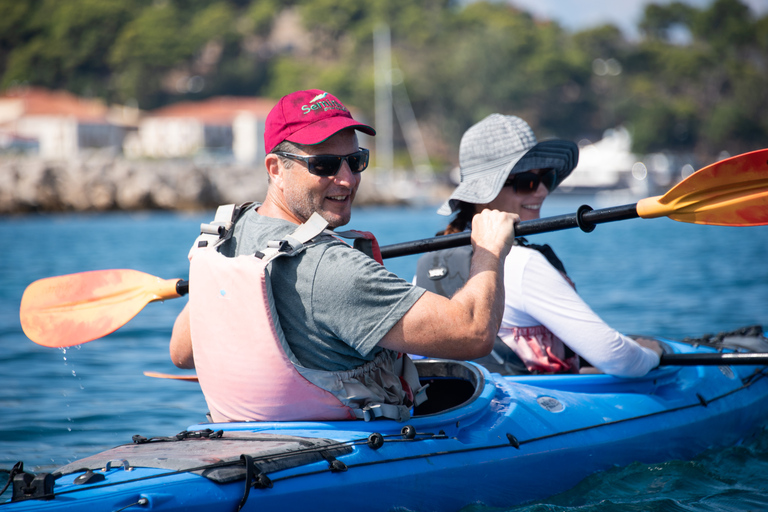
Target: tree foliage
697	80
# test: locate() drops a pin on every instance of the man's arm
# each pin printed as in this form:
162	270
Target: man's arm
464	326
181	341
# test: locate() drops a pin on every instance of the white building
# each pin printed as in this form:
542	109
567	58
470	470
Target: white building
57	124
227	125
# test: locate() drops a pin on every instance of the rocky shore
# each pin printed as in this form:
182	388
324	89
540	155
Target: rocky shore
30	184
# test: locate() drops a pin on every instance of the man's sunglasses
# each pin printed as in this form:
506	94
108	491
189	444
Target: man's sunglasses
329	165
528	182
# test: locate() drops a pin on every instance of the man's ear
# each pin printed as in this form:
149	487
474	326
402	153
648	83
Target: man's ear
274	169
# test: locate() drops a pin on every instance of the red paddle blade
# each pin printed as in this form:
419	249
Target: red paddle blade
69	310
731	192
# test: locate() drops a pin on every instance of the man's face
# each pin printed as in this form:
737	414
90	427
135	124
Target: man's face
331	197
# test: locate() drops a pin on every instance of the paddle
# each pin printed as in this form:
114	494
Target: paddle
69	310
73	309
731	192
715	359
159	375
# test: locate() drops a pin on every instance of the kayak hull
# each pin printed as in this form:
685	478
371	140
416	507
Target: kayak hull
506	441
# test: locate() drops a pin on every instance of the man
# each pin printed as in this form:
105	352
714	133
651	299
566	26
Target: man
341	313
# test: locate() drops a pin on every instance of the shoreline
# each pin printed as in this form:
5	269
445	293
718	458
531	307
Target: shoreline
111	183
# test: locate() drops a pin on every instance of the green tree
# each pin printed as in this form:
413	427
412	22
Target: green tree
727	25
67	44
459	62
659	20
150	45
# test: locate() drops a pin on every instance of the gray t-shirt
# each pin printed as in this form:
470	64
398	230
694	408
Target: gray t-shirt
334	302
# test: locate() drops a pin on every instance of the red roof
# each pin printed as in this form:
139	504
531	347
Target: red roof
219	110
42	102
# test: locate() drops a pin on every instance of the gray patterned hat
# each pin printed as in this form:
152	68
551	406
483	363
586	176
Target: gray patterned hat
501	145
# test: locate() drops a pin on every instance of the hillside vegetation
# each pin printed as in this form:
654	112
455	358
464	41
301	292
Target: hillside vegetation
696	81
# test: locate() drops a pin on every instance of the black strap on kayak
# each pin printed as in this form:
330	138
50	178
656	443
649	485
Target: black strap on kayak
334	464
17	468
184	434
750	338
253	477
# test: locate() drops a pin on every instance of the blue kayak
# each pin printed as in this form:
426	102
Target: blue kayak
481	438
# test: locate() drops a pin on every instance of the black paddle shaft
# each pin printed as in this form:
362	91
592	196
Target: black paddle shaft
715	359
585	218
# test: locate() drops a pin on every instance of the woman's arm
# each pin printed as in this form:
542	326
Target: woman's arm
553	302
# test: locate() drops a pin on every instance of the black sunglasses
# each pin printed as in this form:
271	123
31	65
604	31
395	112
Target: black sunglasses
528	182
329	165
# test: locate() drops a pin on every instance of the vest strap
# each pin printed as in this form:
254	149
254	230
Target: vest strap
399	413
296	242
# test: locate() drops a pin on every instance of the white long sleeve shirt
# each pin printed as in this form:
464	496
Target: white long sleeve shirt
538	294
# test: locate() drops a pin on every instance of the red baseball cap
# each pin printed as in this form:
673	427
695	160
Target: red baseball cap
308	117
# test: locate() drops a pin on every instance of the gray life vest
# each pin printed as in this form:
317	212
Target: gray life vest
445	272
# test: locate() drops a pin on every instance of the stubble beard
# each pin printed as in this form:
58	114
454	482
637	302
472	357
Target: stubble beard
303	207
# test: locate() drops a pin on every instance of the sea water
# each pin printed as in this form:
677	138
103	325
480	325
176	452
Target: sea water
653	277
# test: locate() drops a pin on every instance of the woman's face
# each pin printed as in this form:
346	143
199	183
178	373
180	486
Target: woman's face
526	205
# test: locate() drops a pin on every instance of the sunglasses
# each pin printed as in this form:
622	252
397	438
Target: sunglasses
329	165
528	182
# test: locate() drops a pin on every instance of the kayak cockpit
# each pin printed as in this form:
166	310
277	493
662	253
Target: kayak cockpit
452	384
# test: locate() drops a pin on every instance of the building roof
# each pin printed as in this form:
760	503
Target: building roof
218	110
37	101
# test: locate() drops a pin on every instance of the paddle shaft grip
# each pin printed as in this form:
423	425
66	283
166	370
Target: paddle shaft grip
585	218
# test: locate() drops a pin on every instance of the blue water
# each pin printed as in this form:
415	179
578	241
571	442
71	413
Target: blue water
655	277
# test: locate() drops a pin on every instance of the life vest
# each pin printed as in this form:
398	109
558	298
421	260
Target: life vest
516	350
246	368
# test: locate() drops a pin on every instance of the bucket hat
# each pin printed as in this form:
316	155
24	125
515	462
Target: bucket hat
308	117
501	145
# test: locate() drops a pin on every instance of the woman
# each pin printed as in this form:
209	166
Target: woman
546	324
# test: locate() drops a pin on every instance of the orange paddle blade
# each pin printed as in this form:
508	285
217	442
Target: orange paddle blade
731	192
158	375
69	310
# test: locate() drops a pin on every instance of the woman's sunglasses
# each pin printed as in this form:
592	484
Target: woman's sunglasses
528	182
329	165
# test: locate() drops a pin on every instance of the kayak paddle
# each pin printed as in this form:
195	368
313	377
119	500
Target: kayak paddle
715	359
706	359
69	310
159	375
731	192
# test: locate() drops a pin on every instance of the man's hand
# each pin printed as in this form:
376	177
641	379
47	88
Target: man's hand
494	231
